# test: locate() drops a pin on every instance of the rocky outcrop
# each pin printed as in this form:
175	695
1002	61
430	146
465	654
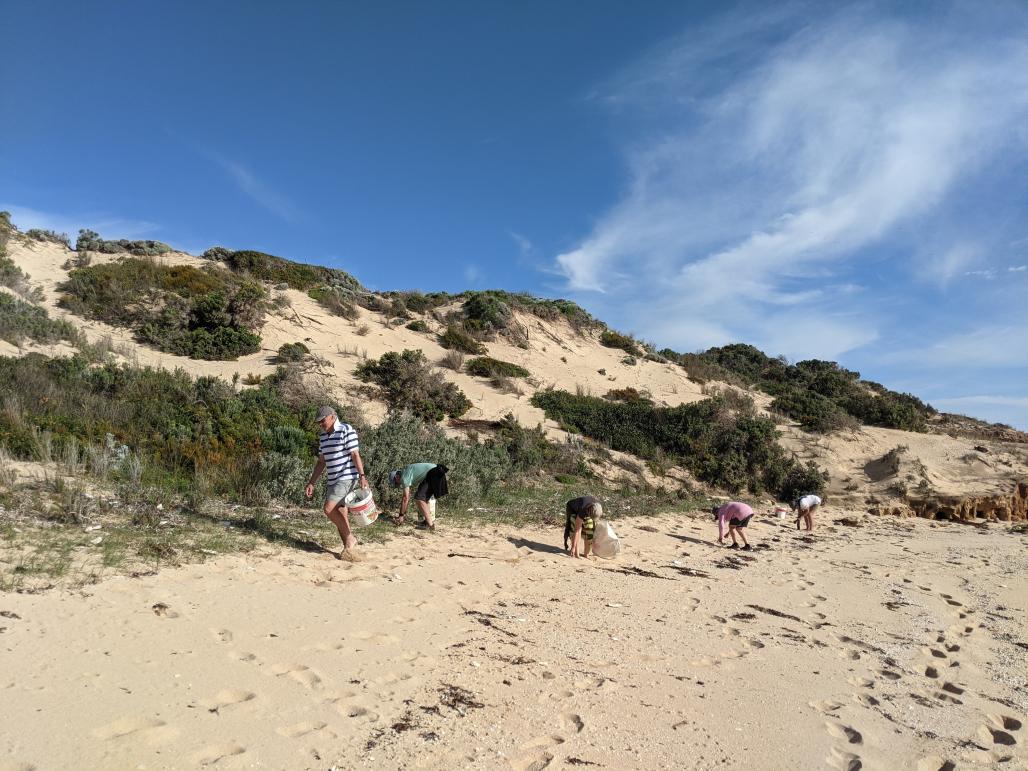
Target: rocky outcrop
1011	506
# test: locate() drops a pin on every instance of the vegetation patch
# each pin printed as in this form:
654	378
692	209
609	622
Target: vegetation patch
292	352
48	236
485	366
417	326
336	301
407	381
278	270
612	339
820	395
90	241
203	314
20	320
717	445
456	338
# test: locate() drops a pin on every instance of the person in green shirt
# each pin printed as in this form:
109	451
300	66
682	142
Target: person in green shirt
415	476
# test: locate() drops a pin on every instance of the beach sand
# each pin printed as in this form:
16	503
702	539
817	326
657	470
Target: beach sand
898	643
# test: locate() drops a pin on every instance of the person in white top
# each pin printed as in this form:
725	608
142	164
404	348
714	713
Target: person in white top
805	506
339	457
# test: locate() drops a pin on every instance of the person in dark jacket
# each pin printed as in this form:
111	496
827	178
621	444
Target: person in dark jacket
429	483
579	524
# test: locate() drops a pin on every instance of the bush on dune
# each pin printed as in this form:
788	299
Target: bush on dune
203	314
732	451
407	381
485	366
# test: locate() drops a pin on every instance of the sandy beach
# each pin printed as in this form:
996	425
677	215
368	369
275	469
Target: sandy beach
897	643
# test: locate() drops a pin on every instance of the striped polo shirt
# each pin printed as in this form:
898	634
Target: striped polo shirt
336	446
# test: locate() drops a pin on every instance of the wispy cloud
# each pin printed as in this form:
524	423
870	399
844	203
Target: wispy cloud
256	189
990	345
109	227
826	137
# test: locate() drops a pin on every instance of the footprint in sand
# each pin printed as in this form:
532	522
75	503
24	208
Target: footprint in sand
844	732
297	730
827	706
150	729
222	635
227	698
305	676
532	762
210	755
844	761
935	763
572	722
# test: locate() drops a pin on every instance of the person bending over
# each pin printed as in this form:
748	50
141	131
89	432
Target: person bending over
733	517
805	506
428	481
580	523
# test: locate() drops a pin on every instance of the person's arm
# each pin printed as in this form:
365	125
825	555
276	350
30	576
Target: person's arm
721	519
359	464
577	540
318	468
405	502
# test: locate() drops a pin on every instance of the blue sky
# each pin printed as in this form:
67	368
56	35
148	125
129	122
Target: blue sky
845	181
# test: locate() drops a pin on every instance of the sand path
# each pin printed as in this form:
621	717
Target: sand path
899	644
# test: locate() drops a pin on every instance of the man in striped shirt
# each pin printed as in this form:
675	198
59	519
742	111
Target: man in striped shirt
340	459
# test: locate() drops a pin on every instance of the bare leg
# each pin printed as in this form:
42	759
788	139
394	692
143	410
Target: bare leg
810	517
426	513
742	535
588	545
732	531
340	517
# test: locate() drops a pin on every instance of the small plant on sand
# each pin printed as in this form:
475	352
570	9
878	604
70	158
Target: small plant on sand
612	339
456	338
418	326
288	352
453	360
485	366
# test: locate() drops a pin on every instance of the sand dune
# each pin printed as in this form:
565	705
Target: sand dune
897	644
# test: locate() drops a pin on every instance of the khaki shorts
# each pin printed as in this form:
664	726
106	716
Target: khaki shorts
337	491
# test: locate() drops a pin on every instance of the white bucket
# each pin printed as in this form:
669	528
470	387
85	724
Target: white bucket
362	508
781	511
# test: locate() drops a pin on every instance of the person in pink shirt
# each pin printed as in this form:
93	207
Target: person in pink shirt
734	517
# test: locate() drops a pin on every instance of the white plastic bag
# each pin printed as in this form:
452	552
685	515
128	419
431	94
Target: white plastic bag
606	543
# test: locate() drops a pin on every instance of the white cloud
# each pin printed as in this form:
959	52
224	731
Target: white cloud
956	401
761	187
70	224
472	274
992	345
259	191
1017	268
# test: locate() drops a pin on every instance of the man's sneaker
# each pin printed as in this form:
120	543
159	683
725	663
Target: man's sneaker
747	547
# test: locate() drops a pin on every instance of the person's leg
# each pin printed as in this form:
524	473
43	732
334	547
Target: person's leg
732	530
426	513
340	516
810	518
742	534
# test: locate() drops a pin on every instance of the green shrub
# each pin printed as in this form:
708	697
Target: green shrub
418	326
612	339
812	411
456	338
277	270
486	312
404	438
626	395
407	381
333	299
203	314
484	366
292	352
20	320
718	446
37	234
90	241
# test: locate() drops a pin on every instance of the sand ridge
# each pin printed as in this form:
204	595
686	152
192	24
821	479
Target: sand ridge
896	644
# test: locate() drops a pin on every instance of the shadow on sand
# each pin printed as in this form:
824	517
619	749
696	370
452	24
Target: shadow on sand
545	548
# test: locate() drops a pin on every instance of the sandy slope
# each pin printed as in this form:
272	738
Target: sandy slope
555	355
899	644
